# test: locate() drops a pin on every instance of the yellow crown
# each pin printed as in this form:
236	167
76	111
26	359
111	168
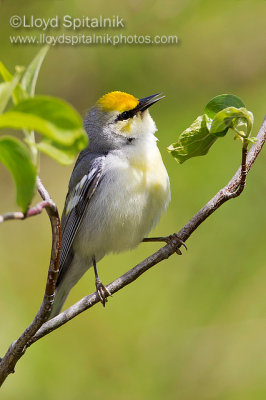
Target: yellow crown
117	101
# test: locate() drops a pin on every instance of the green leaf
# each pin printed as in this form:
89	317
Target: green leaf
194	141
30	77
5	94
64	155
6	90
17	93
6	75
221	113
15	156
220	102
239	119
53	118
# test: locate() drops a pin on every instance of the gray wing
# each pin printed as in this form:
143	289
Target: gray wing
77	200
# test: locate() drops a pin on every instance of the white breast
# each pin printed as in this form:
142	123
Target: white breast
128	203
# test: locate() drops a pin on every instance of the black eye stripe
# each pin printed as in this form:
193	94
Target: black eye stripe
125	115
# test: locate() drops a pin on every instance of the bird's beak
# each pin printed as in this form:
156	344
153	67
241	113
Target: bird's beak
146	102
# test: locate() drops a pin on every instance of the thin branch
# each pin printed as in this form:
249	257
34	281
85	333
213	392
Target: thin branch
234	188
11	215
36	210
38	328
242	184
17	348
32	212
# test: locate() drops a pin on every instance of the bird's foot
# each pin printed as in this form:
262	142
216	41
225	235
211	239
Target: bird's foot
102	291
173	240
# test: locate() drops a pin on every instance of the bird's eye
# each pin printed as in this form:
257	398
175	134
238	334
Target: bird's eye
124	115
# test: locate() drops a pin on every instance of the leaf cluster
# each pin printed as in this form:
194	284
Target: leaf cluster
59	126
222	113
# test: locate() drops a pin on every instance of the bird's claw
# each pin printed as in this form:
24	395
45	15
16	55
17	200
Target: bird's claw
174	240
102	291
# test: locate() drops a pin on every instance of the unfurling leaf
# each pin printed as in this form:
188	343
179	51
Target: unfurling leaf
7	89
220	102
220	114
28	82
194	141
15	156
17	92
230	117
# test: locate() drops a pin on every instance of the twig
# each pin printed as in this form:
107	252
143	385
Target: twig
232	189
32	212
242	183
38	328
17	348
46	203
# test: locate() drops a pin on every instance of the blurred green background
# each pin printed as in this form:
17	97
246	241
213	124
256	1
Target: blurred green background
194	326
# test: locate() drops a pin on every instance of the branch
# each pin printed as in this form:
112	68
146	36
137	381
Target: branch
17	348
36	210
40	328
233	189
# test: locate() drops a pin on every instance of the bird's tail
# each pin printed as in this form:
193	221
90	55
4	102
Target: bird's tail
60	297
65	283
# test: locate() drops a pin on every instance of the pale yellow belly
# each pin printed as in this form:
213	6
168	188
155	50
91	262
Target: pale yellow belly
127	206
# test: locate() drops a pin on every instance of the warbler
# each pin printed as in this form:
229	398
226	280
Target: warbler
118	189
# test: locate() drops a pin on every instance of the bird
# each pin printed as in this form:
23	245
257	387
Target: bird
117	192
